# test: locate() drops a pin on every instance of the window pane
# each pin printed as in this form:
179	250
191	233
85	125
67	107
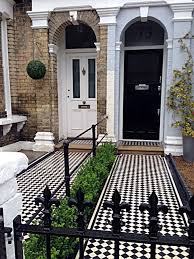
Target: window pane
76	78
79	36
144	34
91	78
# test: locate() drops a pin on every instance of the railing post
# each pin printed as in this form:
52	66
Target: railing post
18	238
94	139
66	160
153	208
189	210
80	204
47	202
117	207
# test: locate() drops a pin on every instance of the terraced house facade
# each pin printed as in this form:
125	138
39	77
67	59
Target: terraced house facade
113	58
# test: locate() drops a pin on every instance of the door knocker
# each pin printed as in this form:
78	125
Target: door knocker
83	71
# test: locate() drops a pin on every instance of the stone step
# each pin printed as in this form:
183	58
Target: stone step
77	146
140	147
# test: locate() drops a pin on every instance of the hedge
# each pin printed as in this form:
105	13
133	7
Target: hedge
91	179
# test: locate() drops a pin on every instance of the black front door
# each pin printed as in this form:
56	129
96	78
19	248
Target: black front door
142	88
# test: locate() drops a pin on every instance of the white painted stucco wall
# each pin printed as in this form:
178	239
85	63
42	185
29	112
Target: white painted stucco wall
11	163
51	5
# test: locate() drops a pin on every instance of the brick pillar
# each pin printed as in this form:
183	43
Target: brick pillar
23	88
102	78
43	91
2	100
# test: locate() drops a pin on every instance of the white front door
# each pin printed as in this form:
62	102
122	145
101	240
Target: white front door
81	93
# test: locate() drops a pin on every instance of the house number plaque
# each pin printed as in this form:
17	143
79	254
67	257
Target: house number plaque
83	106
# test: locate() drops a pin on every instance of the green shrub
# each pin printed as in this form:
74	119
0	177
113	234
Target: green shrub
91	178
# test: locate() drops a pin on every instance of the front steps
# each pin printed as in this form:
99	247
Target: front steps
123	147
80	145
140	147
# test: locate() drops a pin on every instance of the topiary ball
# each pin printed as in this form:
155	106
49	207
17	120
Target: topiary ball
36	69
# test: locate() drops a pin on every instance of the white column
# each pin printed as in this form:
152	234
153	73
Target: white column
5	60
108	17
182	21
118	94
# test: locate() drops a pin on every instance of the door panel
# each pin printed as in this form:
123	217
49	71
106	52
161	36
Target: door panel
81	97
142	98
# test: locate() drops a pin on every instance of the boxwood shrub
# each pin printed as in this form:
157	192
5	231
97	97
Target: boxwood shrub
91	178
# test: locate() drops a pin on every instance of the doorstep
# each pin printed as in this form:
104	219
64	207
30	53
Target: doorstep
140	147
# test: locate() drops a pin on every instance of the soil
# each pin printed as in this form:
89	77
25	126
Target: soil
187	171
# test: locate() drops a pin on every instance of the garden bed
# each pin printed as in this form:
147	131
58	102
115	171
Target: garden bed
90	178
187	171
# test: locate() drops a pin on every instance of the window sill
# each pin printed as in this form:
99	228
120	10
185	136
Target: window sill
7	123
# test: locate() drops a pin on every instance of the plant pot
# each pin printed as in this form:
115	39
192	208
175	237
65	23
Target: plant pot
188	149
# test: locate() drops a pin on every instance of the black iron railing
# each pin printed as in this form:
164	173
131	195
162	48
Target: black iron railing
68	173
182	188
4	231
116	235
93	151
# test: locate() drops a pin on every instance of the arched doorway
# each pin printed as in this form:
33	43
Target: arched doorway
80	59
143	63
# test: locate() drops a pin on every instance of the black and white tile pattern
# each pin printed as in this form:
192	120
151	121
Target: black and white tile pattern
49	172
82	141
135	177
140	143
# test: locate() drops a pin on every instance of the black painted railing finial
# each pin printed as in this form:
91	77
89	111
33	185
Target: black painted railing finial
116	206
153	208
80	204
189	210
47	202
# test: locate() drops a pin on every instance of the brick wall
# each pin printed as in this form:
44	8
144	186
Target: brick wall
23	89
33	98
38	99
2	100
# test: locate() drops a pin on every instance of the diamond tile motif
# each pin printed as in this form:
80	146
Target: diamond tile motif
135	177
49	172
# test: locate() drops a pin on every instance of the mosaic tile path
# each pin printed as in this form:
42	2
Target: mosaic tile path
135	177
50	171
